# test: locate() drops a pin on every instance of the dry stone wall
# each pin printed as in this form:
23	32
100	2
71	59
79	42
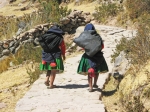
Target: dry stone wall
69	24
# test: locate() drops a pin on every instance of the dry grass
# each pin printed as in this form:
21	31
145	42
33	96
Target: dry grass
110	96
88	7
14	9
13	77
14	84
130	83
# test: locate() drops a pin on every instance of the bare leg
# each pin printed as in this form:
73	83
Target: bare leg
48	75
52	77
96	78
90	83
47	78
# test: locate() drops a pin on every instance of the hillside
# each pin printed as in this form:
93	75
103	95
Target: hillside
16	7
18	76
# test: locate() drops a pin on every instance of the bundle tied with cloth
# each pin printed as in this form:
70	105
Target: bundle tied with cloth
90	40
92	43
50	42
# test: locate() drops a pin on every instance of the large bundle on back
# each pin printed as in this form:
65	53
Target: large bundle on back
91	41
50	41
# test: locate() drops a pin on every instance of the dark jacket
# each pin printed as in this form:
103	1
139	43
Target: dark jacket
51	56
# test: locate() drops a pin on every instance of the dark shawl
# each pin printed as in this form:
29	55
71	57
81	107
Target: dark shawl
48	56
97	59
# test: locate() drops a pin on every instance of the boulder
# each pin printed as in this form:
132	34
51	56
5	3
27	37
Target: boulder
6	52
121	65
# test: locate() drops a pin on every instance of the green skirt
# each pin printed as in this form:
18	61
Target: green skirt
59	67
84	66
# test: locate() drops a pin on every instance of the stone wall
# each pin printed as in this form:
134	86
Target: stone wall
69	24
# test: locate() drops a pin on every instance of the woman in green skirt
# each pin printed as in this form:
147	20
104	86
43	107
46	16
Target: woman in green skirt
52	60
94	65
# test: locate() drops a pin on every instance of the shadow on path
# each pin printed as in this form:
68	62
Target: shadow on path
97	89
73	86
108	93
76	86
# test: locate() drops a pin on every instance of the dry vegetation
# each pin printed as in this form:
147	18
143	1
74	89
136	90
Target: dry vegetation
15	82
132	95
85	7
14	8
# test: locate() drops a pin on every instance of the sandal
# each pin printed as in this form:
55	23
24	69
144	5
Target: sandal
46	83
95	86
90	90
51	87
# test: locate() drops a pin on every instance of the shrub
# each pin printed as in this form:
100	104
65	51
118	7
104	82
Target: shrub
138	47
49	11
8	27
136	8
135	100
105	11
32	56
121	46
5	63
33	71
133	104
27	52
